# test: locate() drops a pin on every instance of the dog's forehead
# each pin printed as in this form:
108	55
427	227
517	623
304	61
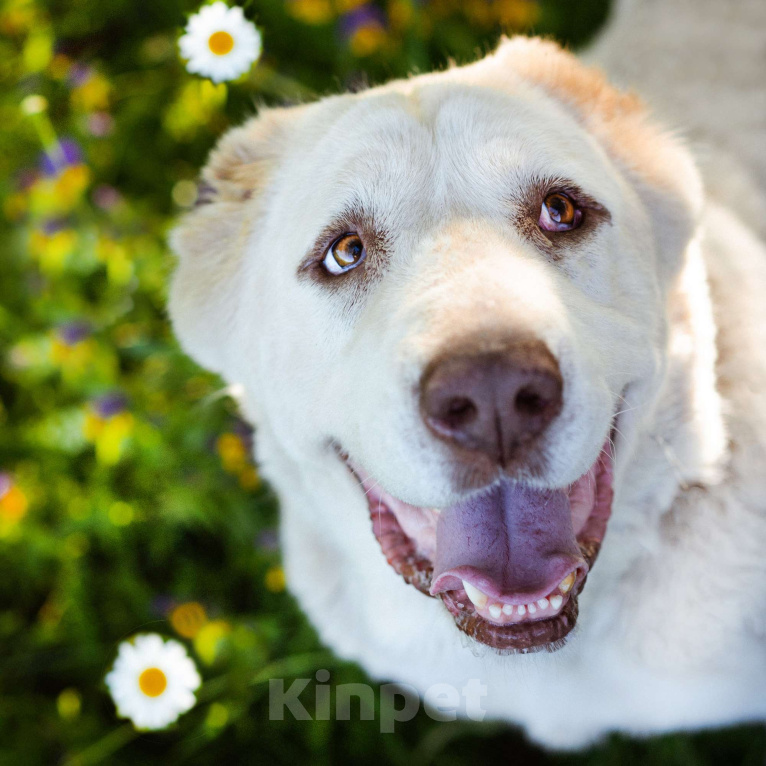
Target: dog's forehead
450	140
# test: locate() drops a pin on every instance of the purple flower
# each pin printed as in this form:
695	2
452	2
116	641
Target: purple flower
111	404
52	225
245	432
64	153
6	482
162	605
268	540
363	16
100	124
79	74
106	197
74	332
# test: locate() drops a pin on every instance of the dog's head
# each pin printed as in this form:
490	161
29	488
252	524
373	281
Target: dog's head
456	284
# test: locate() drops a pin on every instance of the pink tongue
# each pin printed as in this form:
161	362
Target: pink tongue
514	543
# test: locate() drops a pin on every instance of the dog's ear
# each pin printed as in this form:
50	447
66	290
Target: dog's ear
210	240
657	163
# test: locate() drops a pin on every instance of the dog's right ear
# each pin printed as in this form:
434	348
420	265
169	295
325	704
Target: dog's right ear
210	240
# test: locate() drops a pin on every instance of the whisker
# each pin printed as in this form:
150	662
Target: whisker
672	459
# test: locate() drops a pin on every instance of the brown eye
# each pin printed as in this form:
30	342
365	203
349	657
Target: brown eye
344	254
559	213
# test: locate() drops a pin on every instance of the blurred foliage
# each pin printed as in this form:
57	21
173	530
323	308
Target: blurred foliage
128	501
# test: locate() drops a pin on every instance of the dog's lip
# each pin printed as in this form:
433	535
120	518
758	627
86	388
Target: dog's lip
530	635
522	635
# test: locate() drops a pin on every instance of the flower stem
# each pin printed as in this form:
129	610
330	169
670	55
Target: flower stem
47	133
111	743
292	666
268	80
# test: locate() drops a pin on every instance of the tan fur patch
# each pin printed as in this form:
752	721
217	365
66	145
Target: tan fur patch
210	240
620	120
244	158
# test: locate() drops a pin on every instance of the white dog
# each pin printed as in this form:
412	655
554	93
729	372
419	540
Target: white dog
490	323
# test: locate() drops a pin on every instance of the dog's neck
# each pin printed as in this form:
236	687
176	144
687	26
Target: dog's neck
689	504
679	439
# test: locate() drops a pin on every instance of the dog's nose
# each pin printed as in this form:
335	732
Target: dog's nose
494	402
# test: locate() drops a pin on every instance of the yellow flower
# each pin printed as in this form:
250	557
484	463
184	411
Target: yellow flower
367	39
92	426
232	451
311	11
517	14
52	250
109	432
275	579
207	642
38	49
249	478
13	504
400	14
116	256
68	704
75	359
71	183
92	95
112	439
17	18
188	619
59	194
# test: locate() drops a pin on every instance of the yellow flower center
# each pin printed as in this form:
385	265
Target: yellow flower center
220	43
152	682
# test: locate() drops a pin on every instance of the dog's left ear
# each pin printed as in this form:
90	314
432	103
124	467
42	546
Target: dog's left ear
659	166
210	240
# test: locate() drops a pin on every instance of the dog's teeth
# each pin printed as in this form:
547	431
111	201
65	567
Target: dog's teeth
543	603
495	610
567	583
508	609
556	601
478	598
531	608
522	610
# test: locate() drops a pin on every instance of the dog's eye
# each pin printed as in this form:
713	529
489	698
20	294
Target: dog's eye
559	213
344	254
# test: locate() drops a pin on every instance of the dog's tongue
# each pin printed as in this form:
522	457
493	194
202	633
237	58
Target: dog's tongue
514	542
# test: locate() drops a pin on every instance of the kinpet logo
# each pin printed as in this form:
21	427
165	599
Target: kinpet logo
396	703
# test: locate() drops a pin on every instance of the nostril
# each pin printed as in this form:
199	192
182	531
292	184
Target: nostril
530	402
458	412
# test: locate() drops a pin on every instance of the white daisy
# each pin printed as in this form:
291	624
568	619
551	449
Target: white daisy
220	43
152	681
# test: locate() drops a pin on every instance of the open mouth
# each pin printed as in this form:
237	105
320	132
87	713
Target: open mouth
509	561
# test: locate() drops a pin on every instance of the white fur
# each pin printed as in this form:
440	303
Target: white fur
664	306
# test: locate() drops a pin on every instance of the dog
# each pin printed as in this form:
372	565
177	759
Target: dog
504	345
